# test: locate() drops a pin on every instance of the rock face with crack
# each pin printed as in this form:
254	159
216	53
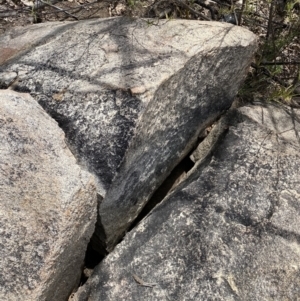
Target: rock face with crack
131	96
47	205
230	231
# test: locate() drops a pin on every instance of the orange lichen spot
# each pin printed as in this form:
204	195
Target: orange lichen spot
6	53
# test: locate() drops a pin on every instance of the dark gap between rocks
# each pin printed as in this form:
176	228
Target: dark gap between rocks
93	257
177	174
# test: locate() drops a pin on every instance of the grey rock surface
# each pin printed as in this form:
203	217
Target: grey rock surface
107	81
47	205
230	231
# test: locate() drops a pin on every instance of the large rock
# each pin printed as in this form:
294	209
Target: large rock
106	81
47	205
230	231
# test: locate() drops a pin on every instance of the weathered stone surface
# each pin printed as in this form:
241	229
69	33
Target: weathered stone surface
47	205
106	81
231	231
20	40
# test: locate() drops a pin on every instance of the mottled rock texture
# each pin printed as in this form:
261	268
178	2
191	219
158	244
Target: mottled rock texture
107	81
230	231
47	205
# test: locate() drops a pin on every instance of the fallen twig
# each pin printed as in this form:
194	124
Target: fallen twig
266	72
141	282
8	13
58	8
280	63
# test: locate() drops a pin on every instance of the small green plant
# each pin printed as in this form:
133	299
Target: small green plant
276	69
282	94
35	14
132	3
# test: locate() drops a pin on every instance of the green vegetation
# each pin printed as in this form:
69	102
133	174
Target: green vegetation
275	73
